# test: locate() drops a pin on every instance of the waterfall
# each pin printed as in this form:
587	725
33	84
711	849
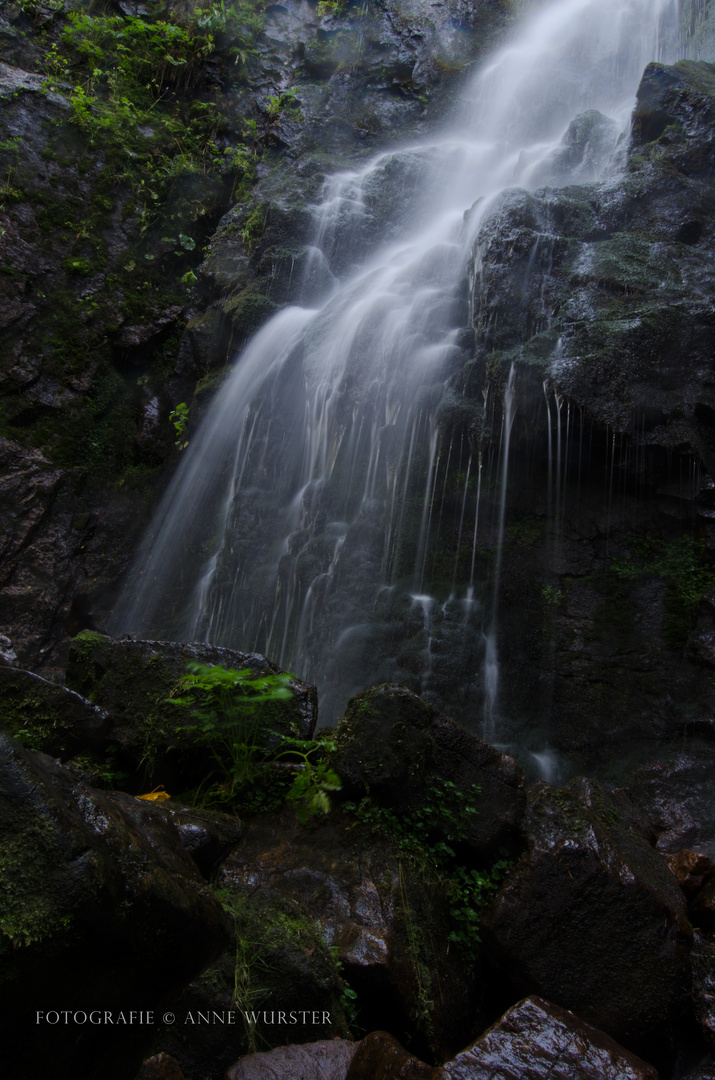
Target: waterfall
330	510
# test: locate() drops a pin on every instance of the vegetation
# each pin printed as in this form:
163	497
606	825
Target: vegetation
432	835
228	710
683	565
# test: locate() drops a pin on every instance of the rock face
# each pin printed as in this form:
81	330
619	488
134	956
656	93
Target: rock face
86	889
590	917
395	745
109	315
537	1039
533	1039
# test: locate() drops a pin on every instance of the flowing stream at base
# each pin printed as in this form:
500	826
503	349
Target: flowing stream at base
329	512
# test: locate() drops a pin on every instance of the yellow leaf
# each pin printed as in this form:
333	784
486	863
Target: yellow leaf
157	795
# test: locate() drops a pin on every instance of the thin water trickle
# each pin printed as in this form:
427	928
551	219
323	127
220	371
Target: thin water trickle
333	411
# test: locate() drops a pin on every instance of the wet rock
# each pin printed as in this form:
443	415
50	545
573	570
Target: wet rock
8	657
387	919
134	336
675	794
48	717
133	680
398	747
100	913
277	983
704	1072
703	960
380	1057
327	1060
590	917
160	1067
586	147
691	868
541	1041
696	876
206	835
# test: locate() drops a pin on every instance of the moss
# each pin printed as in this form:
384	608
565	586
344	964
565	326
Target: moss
249	310
29	911
278	959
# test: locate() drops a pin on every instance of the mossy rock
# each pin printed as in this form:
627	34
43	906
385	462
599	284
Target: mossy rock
398	747
591	916
48	717
133	681
249	311
97	910
277	961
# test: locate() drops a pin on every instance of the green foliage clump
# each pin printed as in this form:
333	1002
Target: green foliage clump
432	835
179	417
227	714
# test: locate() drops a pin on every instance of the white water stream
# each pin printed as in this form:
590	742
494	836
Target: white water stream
306	516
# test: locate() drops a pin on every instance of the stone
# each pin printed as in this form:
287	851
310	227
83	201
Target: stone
160	1067
207	836
325	1060
398	747
48	717
133	681
381	1057
8	657
703	960
276	983
538	1040
674	792
692	869
386	918
99	912
590	917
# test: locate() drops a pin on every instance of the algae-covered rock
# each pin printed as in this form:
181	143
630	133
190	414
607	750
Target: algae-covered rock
133	682
395	745
95	913
48	717
591	917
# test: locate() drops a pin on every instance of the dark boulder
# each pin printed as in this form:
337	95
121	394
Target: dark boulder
133	681
160	1067
590	916
206	835
326	1060
674	793
46	716
97	913
380	1057
541	1041
277	983
696	876
703	960
395	745
385	915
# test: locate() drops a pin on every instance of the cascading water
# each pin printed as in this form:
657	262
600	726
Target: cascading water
330	510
